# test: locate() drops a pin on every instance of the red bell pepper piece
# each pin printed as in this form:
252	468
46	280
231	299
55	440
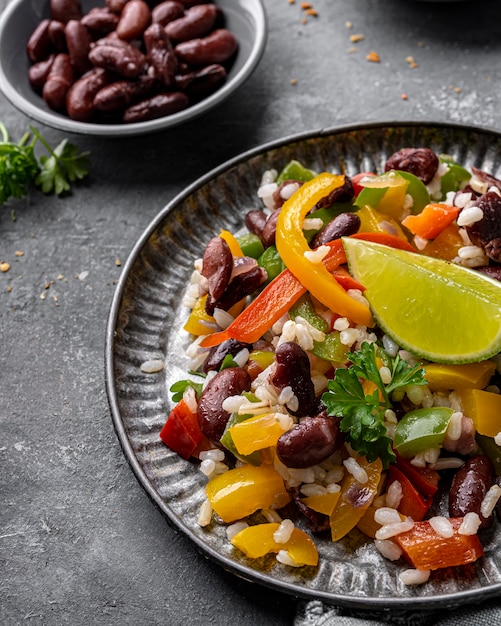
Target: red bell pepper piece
425	549
424	479
181	431
357	187
412	503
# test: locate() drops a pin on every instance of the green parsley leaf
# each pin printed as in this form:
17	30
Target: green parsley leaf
178	388
228	361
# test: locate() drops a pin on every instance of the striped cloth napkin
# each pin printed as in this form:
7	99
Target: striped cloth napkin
316	613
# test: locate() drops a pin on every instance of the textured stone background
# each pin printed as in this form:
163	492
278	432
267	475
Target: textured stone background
80	542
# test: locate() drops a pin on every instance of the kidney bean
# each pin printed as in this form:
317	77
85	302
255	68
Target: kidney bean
240	286
494	271
161	56
120	94
255	221
196	22
58	36
498	503
310	442
201	83
39	72
422	162
218	353
469	486
156	106
212	418
190	3
100	21
65	10
39	44
270	229
486	233
343	225
78	41
293	370
122	59
80	97
60	78
167	11
466	443
134	20
486	177
218	47
116	6
344	193
217	265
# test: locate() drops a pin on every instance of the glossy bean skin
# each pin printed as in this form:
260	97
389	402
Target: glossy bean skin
80	97
217	354
217	265
167	11
255	221
218	47
422	162
155	107
310	442
39	44
60	78
134	20
196	22
344	193
293	370
116	6
78	41
343	225
39	72
239	287
469	486
203	82
57	36
100	21
121	58
65	10
121	94
212	418
160	55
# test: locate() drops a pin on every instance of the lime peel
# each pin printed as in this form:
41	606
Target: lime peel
437	310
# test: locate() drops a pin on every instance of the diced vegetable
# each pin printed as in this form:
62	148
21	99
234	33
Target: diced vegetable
272	262
384	193
421	429
322	503
253	458
484	408
251	245
412	503
256	433
432	220
294	170
475	375
181	431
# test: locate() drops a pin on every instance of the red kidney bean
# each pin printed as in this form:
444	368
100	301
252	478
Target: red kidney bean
486	233
39	44
491	180
100	21
201	83
156	106
39	72
121	58
255	221
212	418
310	442
80	97
343	225
240	286
422	162
469	486
218	47
65	10
196	22
270	229
293	370
167	11
218	353
116	6
134	20
58	36
161	56
120	94
466	443
217	265
61	76
344	193
78	41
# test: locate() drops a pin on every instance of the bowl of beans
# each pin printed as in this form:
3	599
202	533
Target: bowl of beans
126	67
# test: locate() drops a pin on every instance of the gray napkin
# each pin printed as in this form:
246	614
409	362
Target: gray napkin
315	613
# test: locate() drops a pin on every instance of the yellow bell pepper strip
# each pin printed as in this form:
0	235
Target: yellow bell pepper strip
355	499
462	376
445	245
322	503
292	245
484	408
199	321
241	491
256	541
432	220
425	549
232	242
256	433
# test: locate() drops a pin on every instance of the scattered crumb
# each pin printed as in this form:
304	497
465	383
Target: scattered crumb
9	288
404	96
348	24
60	277
304	21
49	284
18	253
412	63
352	49
420	44
373	57
293	81
43	295
291	1
311	12
56	301
118	262
4	266
305	6
357	38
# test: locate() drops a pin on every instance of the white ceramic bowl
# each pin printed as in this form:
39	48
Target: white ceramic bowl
246	19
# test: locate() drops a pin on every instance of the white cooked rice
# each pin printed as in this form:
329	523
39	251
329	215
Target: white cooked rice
234	529
414	576
356	470
470	524
469	216
205	514
391	530
387	515
442	526
284	531
394	495
490	500
389	549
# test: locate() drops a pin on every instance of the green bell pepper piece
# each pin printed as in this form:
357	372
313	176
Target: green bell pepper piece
272	262
294	170
251	245
305	309
455	176
227	440
331	349
421	429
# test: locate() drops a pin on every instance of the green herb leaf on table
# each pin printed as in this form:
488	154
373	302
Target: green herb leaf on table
363	414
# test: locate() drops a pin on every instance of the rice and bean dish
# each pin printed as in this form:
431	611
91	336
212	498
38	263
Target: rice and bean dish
302	412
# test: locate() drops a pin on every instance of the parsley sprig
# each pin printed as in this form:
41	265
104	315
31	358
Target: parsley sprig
363	415
54	172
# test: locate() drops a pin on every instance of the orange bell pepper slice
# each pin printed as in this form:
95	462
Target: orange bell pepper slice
432	220
425	549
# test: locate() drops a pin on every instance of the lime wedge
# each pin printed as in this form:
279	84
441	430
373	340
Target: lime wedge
436	310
